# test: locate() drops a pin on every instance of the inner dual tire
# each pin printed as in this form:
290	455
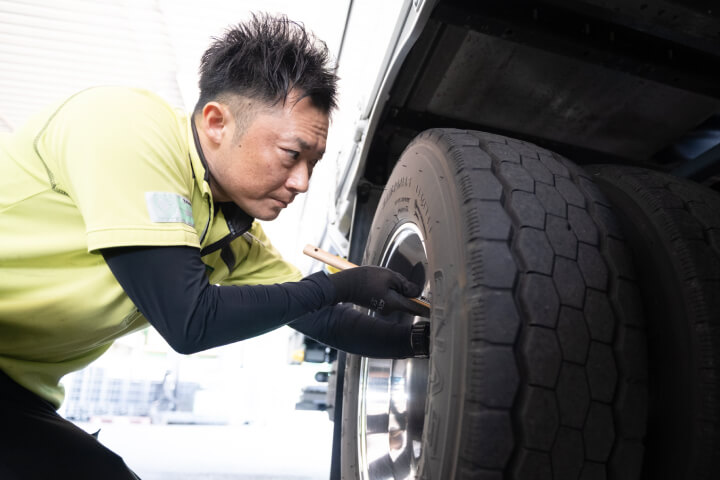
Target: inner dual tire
538	360
673	227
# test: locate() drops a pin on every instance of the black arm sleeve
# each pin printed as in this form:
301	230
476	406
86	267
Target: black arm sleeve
347	329
170	288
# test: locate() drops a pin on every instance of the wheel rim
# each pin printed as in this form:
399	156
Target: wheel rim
392	393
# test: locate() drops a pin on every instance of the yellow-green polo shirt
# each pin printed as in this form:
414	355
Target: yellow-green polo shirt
108	167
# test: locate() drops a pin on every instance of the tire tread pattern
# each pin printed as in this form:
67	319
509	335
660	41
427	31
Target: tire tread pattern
553	393
686	216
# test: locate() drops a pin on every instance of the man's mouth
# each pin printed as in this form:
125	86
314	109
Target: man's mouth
282	203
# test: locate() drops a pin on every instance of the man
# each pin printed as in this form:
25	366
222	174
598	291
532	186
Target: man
117	211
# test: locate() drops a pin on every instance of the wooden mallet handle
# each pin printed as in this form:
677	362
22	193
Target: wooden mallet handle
327	257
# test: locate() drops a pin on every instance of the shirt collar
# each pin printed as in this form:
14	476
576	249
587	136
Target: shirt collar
197	159
237	220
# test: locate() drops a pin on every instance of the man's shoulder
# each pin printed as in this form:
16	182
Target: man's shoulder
127	118
111	100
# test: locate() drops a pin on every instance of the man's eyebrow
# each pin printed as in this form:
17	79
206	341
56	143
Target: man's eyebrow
303	144
306	146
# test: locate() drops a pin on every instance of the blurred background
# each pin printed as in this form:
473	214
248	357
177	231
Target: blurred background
255	409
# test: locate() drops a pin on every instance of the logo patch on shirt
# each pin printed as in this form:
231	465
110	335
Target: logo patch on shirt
168	207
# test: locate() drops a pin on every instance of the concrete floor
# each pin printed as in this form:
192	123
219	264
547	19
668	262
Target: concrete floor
295	445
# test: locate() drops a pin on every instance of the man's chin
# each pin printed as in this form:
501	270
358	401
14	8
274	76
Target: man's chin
268	215
260	211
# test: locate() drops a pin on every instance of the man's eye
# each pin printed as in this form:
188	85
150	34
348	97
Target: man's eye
293	154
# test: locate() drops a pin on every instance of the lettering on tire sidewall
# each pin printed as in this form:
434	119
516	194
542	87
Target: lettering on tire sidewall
408	200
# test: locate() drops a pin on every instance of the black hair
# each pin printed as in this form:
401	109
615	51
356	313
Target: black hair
264	59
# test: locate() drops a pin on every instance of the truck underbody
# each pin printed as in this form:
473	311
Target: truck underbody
595	80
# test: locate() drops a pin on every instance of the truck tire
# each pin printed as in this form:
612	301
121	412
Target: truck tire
538	366
673	227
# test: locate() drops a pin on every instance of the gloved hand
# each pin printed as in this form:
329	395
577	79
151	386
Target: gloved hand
377	288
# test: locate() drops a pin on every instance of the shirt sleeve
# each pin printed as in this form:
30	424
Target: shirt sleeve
352	331
121	155
170	288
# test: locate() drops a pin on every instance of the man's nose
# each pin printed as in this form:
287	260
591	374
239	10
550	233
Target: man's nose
299	178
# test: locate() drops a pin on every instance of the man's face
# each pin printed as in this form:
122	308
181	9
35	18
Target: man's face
264	168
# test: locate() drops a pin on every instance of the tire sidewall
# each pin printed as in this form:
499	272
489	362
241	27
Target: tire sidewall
420	191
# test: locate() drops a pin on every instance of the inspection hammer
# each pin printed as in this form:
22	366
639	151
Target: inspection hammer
342	264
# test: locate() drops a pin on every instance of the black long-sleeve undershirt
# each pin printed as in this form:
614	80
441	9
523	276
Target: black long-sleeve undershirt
170	288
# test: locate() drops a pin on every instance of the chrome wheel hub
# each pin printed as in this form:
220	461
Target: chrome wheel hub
392	393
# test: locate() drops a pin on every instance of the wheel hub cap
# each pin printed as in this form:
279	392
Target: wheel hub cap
393	392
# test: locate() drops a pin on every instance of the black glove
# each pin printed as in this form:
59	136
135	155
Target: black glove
377	288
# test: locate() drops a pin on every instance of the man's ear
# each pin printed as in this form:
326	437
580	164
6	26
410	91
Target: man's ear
216	120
